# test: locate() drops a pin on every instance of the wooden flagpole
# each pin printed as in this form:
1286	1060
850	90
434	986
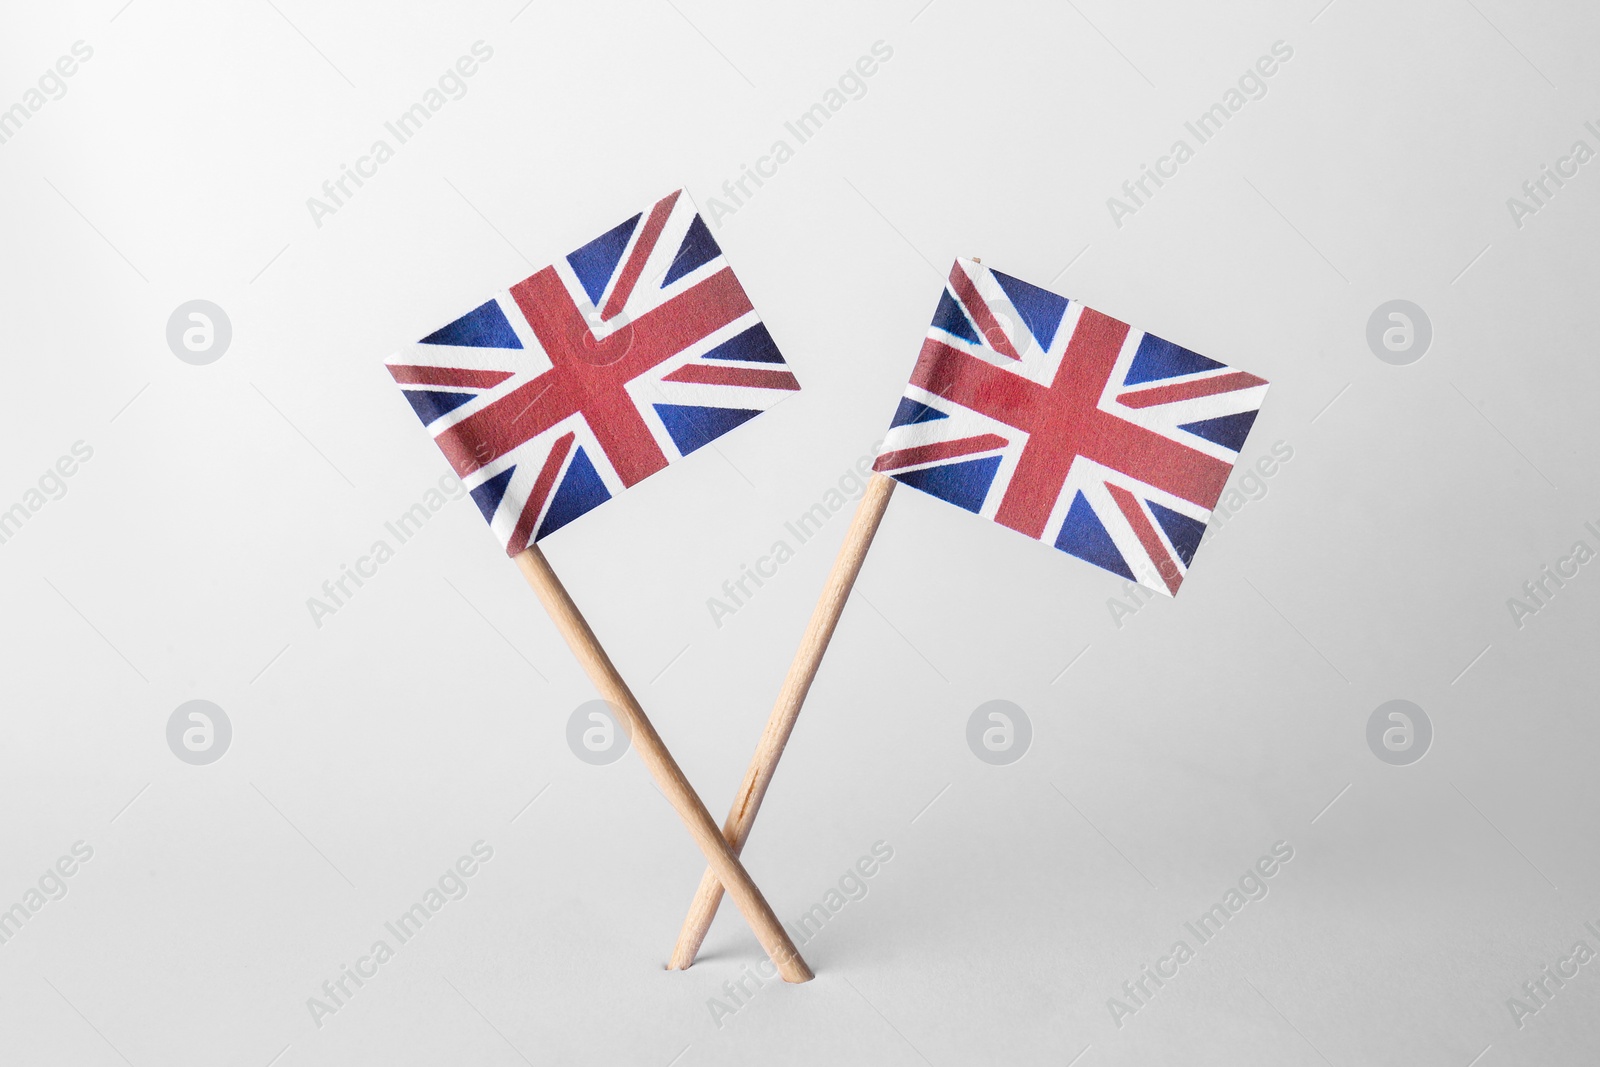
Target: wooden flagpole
723	858
869	513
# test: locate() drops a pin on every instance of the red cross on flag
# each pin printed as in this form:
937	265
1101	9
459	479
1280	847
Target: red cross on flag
1069	426
553	396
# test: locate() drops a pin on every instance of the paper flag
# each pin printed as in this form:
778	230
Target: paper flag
554	396
1067	425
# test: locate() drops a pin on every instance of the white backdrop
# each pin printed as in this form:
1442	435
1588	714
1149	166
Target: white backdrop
1171	746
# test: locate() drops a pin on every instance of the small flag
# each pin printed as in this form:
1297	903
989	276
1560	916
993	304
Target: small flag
589	376
1069	426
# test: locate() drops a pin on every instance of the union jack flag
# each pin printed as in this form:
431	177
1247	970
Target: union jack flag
553	396
1067	425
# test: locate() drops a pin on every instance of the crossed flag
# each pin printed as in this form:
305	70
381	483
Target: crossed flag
1024	408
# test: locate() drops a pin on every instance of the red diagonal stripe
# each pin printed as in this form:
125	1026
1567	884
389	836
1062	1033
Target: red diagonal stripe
1165	565
1171	394
705	374
470	379
911	457
982	317
641	252
541	491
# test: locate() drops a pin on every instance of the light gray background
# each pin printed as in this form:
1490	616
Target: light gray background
369	753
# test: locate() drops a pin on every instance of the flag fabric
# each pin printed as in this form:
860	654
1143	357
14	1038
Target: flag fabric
1064	424
554	395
